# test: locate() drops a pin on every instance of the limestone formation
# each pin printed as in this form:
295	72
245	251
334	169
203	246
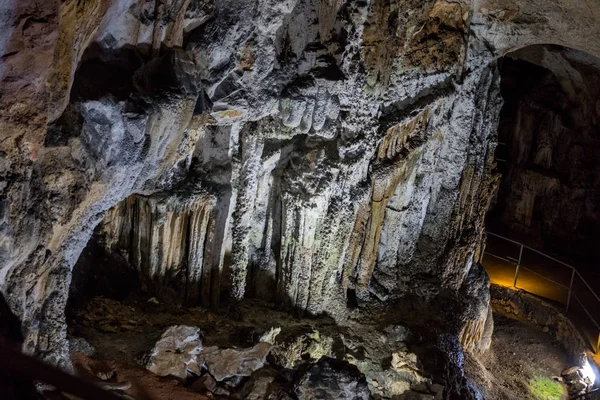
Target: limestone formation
175	353
332	379
227	363
301	349
320	155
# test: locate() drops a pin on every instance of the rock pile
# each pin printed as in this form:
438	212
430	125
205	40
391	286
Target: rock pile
577	381
303	364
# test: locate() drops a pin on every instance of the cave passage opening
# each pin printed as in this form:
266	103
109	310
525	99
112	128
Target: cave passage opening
547	199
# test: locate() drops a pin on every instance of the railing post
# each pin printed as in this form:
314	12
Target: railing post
518	266
570	291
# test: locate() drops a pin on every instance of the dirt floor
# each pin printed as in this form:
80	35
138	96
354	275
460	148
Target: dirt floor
521	356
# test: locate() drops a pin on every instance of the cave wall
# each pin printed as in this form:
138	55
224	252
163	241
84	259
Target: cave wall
549	192
329	144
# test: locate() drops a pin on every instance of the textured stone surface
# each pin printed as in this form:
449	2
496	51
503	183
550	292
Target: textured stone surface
332	379
227	363
264	385
293	351
303	152
175	353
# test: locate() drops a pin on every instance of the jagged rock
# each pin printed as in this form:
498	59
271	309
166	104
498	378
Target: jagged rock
204	383
576	381
226	363
304	348
398	378
332	379
221	391
176	351
270	335
264	385
572	374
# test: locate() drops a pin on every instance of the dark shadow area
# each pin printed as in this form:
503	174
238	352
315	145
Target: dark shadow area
100	273
549	141
103	72
547	207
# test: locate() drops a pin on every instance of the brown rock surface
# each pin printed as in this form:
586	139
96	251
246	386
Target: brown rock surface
176	352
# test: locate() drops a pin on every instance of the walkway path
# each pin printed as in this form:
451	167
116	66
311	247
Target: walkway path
547	278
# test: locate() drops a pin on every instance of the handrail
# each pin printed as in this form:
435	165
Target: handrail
545	255
588	286
587	312
532	249
546	278
569	288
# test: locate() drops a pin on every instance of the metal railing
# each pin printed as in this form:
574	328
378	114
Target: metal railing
545	276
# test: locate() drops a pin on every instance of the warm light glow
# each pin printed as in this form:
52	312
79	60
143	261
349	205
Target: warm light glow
588	372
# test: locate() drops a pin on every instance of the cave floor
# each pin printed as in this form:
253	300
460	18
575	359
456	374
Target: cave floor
124	330
121	332
520	356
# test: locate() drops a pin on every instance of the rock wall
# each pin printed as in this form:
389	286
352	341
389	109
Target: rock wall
315	146
550	127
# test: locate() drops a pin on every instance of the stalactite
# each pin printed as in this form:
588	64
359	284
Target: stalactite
170	245
397	155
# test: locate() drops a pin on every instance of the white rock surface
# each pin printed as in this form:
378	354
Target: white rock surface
226	363
176	352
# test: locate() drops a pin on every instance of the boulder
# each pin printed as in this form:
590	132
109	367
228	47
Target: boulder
226	363
176	351
264	385
301	349
270	335
331	379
